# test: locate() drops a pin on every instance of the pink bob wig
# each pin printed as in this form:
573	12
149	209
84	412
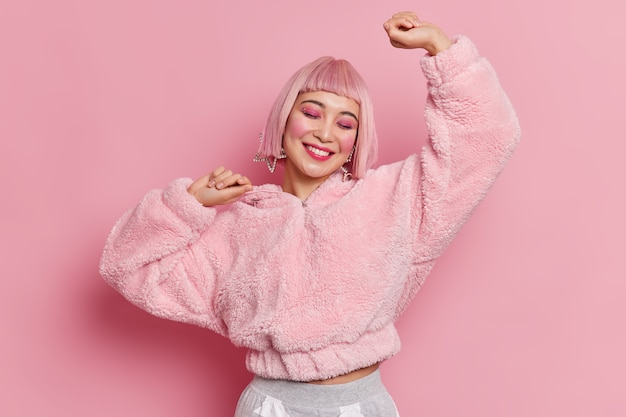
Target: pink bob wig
336	76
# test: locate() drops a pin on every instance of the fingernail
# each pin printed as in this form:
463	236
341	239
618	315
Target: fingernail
220	185
211	183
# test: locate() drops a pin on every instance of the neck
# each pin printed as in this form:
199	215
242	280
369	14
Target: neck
300	186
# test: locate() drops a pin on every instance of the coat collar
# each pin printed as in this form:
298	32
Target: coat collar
272	195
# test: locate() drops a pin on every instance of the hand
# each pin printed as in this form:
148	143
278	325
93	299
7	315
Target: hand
406	31
219	187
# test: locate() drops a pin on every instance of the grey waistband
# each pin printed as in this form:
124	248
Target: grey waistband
320	396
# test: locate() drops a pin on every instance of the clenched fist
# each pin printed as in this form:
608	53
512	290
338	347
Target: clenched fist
406	31
221	186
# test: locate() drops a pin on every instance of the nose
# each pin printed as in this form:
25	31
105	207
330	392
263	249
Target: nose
324	131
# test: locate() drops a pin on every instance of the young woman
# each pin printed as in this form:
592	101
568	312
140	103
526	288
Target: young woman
310	275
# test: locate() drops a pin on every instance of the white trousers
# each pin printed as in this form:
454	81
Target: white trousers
365	397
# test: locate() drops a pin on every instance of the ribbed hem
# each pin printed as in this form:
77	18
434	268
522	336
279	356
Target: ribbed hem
327	362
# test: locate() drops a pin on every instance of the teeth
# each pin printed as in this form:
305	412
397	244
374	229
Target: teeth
318	152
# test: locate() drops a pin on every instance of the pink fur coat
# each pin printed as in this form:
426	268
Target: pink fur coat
313	289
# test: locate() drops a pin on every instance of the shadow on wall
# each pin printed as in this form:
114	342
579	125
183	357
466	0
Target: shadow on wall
185	357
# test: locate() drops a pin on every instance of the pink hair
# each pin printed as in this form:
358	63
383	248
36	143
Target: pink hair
336	76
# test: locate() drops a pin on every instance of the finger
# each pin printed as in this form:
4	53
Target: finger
233	180
405	20
408	22
217	171
397	29
198	184
220	177
243	180
231	194
227	181
400	15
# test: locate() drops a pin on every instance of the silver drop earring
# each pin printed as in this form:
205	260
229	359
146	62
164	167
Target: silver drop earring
347	175
271	164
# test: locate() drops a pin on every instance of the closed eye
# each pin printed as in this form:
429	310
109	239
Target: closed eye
346	123
310	114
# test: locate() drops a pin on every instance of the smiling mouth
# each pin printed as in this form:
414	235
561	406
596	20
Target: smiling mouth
317	151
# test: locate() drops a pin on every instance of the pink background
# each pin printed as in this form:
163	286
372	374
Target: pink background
102	100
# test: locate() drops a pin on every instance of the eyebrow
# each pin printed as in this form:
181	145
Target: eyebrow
322	105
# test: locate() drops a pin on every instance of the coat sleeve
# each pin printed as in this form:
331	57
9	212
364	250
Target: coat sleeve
473	130
155	258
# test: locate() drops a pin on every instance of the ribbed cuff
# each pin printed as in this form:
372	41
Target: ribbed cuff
446	65
185	206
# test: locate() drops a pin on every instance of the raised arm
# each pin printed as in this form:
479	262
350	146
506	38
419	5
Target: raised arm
472	127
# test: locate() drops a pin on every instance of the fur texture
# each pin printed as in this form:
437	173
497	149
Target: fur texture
312	289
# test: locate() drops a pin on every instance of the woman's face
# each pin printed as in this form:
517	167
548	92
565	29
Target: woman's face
320	133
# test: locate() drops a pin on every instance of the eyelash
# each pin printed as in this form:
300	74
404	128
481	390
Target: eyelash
315	116
310	115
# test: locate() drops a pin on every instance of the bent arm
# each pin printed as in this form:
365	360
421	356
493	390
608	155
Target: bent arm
154	257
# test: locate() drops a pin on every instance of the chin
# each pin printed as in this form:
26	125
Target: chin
318	174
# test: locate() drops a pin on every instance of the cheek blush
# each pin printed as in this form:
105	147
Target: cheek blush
297	127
